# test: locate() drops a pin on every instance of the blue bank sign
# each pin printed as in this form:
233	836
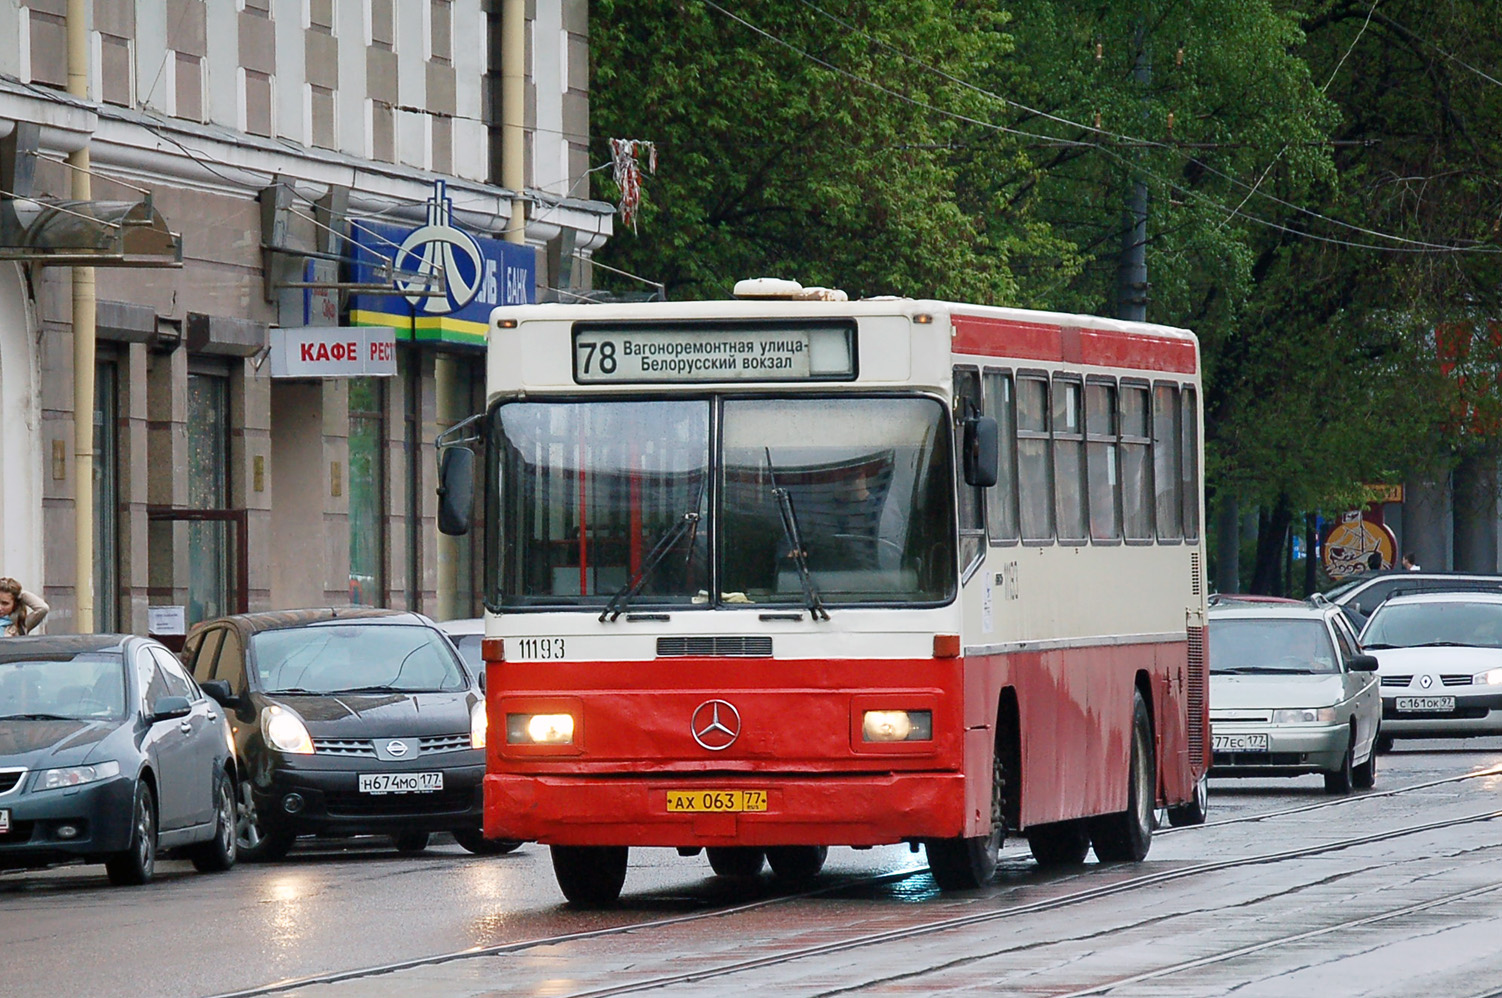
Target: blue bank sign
475	274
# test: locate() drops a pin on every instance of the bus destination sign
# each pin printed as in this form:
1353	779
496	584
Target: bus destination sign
753	353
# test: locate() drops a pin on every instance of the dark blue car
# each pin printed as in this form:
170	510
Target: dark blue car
110	753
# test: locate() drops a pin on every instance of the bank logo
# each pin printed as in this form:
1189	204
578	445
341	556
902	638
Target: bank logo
438	255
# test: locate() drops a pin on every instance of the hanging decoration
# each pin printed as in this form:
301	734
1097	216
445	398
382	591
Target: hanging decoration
625	155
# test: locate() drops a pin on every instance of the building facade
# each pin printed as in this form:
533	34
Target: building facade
331	168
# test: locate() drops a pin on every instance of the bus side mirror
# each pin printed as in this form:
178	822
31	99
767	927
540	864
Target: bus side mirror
980	451
456	490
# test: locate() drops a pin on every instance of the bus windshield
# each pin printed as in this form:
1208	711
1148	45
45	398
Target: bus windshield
592	499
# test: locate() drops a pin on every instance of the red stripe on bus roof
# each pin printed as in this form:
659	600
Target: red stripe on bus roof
991	337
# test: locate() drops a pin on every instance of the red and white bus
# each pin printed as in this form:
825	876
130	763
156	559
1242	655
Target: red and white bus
786	572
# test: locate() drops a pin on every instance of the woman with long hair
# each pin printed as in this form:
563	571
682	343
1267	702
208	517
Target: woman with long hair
21	612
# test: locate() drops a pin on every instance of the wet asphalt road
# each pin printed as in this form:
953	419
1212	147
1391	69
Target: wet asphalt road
331	909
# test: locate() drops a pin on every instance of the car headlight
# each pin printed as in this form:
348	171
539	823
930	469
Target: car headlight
1492	677
77	776
285	731
540	729
478	724
897	725
1305	715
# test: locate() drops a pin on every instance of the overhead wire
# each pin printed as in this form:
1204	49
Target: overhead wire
1415	244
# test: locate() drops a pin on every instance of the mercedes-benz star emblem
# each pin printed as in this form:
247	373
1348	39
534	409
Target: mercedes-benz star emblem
716	724
396	748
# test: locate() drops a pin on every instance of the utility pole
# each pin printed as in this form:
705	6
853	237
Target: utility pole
1131	271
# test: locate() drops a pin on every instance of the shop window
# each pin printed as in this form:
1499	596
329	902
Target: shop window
367	507
208	488
106	498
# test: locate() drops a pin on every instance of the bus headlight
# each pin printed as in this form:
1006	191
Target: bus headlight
897	725
1305	715
540	729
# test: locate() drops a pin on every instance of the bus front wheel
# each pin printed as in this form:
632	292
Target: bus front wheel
962	863
590	876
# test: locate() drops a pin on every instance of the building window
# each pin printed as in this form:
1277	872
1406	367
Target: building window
367	508
441	32
322	117
116	70
320	15
443	144
47	61
382	131
259	8
188	90
256	102
208	488
381	19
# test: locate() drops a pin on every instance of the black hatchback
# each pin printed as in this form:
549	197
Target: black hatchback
109	752
350	721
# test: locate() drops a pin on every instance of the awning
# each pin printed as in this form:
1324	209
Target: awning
87	233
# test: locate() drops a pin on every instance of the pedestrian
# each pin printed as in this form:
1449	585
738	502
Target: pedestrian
21	612
1410	563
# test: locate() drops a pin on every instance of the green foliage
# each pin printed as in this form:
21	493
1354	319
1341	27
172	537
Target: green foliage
985	152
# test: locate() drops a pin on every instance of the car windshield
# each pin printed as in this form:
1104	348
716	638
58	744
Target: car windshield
1249	646
623	501
469	650
1408	625
354	658
87	686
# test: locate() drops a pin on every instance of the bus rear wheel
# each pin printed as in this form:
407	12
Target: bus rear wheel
1126	836
1059	843
590	876
736	861
961	863
797	862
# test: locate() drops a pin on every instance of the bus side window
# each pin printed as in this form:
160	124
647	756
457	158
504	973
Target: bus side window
1166	468
1001	499
1189	420
1101	456
1069	459
1136	464
972	511
1034	466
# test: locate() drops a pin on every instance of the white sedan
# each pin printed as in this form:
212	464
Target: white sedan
1440	658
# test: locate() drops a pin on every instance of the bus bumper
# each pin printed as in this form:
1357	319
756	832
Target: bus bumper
863	810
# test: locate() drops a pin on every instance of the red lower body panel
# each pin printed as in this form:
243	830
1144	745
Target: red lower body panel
861	810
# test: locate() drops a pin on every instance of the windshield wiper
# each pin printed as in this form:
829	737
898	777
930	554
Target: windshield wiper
784	499
38	717
1247	670
1376	644
624	595
1444	644
297	689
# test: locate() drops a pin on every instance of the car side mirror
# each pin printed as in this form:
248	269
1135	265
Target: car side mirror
1362	663
166	708
456	490
979	448
219	691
